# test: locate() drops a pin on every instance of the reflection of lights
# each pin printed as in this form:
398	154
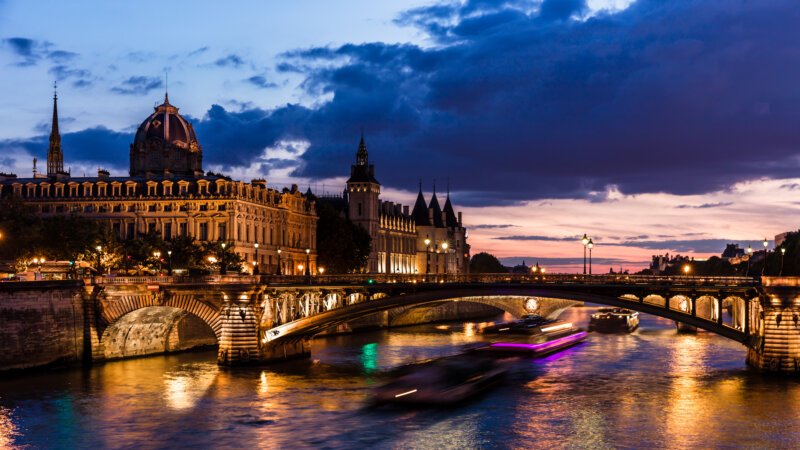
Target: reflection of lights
545	345
7	428
369	357
442	327
562	326
469	329
185	389
263	386
405	393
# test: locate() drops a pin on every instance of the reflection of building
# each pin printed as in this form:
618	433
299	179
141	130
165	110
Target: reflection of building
399	237
168	193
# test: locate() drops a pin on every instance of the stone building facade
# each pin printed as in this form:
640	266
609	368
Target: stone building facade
399	236
168	193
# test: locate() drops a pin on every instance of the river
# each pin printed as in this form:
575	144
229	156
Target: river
653	388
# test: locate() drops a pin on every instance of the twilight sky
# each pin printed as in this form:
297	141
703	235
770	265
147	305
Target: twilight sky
653	126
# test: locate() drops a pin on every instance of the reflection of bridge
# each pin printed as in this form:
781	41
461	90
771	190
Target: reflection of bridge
256	319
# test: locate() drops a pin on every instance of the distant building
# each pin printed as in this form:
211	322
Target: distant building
781	238
732	251
661	262
168	193
399	236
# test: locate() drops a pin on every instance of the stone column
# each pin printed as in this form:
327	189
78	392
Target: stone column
238	337
775	345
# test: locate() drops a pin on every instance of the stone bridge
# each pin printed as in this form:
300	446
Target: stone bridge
261	319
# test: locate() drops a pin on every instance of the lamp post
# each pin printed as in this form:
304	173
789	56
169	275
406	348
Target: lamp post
99	268
278	271
308	263
585	241
764	267
444	247
686	269
427	255
590	245
749	255
783	252
212	260
169	261
157	255
255	264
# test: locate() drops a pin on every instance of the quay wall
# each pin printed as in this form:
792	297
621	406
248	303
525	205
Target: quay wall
41	323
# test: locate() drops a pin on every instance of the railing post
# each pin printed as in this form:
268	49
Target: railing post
746	316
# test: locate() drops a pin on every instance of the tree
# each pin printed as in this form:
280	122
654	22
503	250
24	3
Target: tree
342	246
225	258
186	253
486	263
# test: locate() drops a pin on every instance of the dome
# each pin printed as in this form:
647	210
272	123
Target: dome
165	126
165	144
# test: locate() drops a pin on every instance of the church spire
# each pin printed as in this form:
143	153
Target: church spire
362	159
55	158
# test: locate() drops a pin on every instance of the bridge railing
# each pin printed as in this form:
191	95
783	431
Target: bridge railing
478	278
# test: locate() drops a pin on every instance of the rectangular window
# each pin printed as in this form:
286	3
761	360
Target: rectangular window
151	227
359	210
182	229
168	190
116	227
46	208
247	233
167	208
203	232
131	208
167	231
183	189
151	208
117	208
221	207
203	207
182	208
59	209
131	190
74	209
102	209
222	230
131	233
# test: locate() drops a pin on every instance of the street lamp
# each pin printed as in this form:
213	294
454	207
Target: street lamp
590	244
686	269
321	270
444	247
749	256
783	252
279	271
585	241
158	258
169	261
255	265
308	264
300	268
427	255
99	268
764	267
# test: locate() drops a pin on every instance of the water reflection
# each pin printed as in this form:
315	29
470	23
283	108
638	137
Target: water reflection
652	388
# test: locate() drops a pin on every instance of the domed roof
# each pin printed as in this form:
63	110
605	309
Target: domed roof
165	126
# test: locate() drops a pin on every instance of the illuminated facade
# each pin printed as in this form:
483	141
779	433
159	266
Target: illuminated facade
399	236
169	194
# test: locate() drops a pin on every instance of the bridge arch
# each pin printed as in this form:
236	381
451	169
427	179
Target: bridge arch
155	329
311	325
155	322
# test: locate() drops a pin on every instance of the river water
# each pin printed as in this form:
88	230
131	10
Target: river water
653	388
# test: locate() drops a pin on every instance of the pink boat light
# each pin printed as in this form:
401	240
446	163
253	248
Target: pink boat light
544	345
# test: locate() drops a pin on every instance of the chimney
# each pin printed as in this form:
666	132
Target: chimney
459	218
405	210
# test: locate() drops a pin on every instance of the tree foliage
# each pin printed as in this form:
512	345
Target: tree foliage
342	246
485	263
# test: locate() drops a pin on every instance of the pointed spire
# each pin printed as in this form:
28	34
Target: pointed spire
420	211
362	158
55	158
166	88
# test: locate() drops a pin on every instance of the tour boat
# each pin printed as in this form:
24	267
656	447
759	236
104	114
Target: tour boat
612	320
537	346
444	381
531	325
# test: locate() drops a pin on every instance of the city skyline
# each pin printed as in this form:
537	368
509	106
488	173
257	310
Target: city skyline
672	145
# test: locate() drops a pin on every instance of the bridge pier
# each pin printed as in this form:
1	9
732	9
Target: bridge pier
774	345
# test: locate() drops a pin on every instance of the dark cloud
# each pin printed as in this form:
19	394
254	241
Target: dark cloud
515	103
231	60
491	226
91	146
198	51
140	85
261	81
61	56
675	245
537	238
44	126
27	49
706	205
